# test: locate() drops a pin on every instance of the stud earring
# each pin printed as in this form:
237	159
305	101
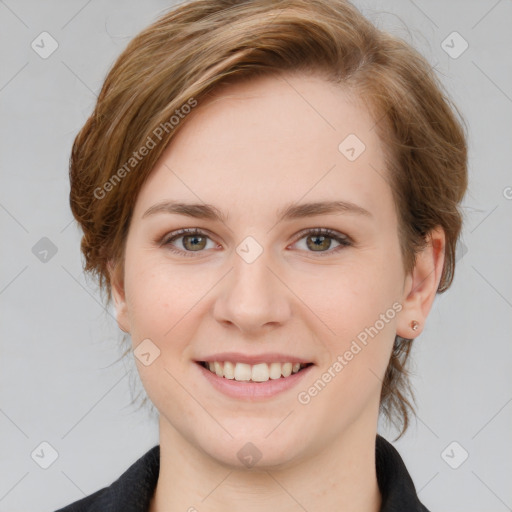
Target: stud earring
415	325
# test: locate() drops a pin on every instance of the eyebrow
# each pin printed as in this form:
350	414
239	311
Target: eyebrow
289	212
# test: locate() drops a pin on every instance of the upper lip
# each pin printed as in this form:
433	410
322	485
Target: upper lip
268	357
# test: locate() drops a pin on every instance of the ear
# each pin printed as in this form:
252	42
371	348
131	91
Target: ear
118	293
421	285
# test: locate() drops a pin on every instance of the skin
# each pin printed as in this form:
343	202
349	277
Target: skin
250	149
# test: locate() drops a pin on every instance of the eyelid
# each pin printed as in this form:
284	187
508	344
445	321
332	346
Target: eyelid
178	233
323	231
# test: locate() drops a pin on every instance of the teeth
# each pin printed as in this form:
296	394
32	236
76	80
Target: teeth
275	370
229	370
218	369
242	371
260	372
286	370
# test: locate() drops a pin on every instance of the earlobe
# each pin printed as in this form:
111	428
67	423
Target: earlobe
421	286
118	294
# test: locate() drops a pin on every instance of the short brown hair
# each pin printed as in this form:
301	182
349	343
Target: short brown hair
202	44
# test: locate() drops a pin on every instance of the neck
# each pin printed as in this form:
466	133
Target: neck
341	477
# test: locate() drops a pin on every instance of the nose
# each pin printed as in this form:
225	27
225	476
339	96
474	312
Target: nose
253	296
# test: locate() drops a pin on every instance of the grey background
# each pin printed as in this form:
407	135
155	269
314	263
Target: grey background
61	377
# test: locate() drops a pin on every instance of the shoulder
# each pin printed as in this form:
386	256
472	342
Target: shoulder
131	492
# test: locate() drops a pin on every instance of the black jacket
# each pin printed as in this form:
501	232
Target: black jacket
133	490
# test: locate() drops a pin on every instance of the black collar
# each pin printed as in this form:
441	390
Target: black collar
133	490
395	484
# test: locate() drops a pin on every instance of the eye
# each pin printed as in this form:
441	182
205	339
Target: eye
194	240
319	240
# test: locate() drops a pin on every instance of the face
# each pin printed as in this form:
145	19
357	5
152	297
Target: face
263	279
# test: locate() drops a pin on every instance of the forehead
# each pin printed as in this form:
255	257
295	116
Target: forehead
272	140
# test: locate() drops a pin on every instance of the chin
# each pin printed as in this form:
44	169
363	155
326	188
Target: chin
252	456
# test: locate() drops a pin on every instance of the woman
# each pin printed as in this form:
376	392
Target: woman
269	192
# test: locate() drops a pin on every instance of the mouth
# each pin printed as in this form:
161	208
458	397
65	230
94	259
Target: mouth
253	373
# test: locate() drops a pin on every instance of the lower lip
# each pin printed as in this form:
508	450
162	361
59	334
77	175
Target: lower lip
247	390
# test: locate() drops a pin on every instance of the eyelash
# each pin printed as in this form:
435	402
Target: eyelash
343	240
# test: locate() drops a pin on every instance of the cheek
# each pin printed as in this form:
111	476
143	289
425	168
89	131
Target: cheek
354	295
149	301
156	297
164	301
358	304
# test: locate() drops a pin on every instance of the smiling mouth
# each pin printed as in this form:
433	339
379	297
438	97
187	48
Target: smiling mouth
261	372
